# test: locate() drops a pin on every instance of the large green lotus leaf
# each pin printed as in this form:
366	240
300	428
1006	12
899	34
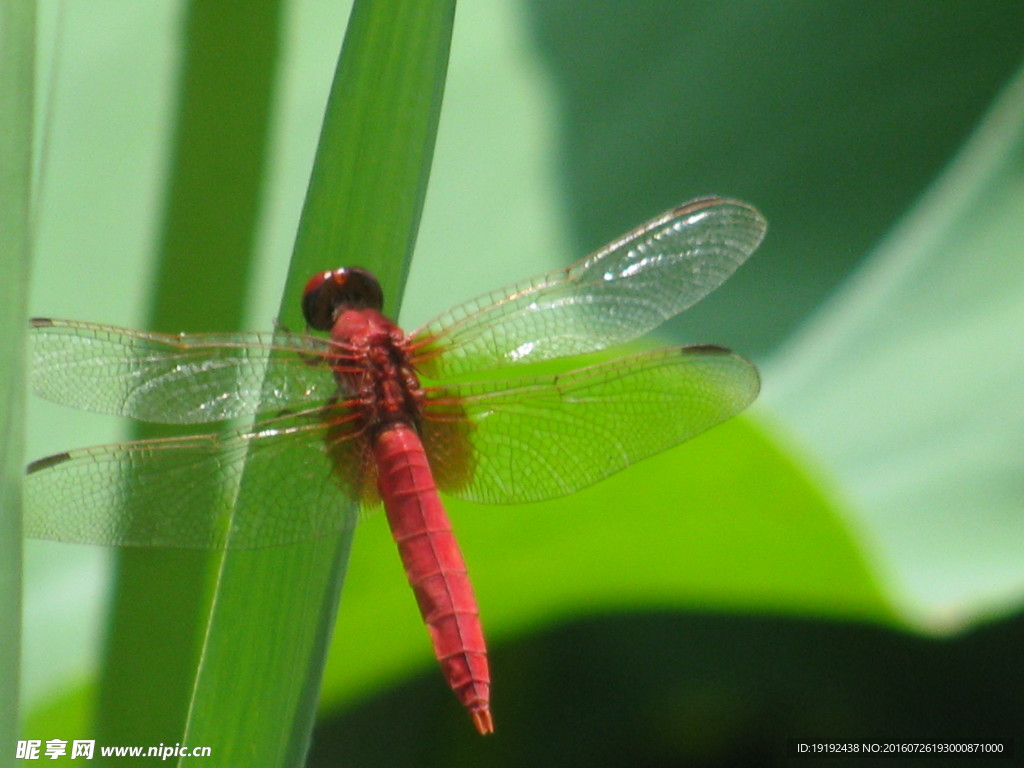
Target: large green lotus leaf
906	388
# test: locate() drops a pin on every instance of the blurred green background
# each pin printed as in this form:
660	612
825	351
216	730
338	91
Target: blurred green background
843	564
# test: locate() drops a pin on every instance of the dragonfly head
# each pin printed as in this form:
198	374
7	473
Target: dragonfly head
327	294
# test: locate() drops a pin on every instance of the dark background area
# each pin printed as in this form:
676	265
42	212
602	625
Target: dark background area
704	690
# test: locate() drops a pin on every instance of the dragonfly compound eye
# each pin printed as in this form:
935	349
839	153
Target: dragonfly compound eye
329	293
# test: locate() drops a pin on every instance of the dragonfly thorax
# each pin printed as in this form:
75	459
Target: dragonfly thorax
377	371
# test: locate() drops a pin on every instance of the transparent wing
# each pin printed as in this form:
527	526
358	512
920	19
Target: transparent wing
189	492
177	379
539	438
616	294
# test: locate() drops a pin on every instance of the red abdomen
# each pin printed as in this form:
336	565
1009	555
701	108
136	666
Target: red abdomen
434	566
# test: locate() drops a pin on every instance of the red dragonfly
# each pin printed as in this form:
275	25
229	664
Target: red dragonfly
346	418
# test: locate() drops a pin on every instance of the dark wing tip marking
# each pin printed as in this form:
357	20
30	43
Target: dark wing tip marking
705	349
705	201
714	350
711	201
47	461
40	322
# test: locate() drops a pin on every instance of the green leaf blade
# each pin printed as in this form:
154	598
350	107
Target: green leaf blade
17	71
364	198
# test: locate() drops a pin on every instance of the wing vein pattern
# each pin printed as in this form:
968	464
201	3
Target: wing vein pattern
612	296
543	437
